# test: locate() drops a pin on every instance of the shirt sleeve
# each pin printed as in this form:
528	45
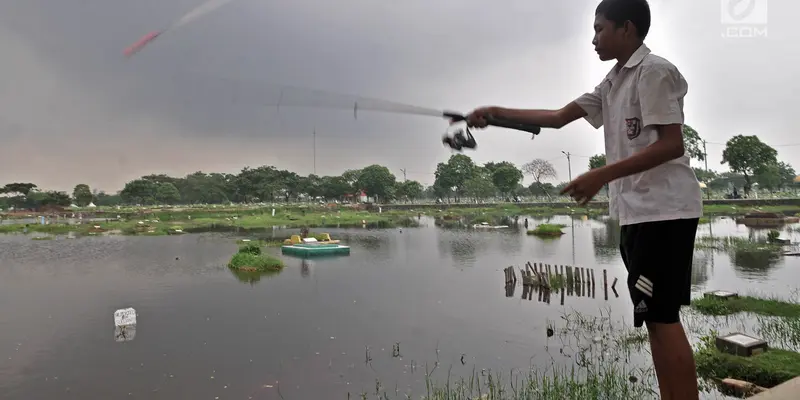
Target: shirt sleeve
592	104
661	90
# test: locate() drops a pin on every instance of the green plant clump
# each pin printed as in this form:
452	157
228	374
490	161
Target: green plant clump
547	230
767	369
250	258
768	307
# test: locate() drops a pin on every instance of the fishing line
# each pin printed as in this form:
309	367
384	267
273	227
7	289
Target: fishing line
295	96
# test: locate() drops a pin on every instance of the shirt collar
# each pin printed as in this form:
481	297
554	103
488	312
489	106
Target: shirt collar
636	58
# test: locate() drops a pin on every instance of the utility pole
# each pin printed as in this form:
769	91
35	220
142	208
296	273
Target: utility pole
569	164
315	150
705	159
404	174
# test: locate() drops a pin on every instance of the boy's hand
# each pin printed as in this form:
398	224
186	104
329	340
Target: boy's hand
478	117
586	186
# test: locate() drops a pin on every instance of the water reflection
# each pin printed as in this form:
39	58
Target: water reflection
252	277
702	266
755	263
462	246
308	334
606	240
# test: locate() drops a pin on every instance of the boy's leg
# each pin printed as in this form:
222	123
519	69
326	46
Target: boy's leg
658	256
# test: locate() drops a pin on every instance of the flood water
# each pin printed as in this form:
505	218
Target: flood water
402	299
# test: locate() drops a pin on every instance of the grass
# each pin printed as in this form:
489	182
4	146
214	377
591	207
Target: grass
547	230
196	219
249	258
772	307
605	381
165	222
736	243
767	369
592	353
781	332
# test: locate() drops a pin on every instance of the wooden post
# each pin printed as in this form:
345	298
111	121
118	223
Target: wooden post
613	289
605	284
568	279
594	291
563	290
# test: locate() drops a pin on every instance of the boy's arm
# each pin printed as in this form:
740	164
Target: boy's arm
660	89
669	146
589	106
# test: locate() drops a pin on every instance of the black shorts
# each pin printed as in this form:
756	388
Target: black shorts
658	256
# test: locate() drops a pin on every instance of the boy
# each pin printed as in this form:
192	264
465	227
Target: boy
653	191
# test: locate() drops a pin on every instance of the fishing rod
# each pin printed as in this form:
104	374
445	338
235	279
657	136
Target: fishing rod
456	140
280	96
193	15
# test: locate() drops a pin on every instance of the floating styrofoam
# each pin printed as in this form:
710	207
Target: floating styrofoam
125	316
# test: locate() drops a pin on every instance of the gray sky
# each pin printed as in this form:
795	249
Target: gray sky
73	110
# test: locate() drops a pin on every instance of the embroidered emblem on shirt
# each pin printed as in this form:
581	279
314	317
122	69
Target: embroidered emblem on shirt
633	127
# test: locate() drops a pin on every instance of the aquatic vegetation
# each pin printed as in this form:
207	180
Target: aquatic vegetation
767	369
547	230
249	258
601	381
595	351
762	306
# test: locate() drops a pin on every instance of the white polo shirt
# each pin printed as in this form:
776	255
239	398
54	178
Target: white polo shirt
629	104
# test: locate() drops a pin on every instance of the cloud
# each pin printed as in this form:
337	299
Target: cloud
202	97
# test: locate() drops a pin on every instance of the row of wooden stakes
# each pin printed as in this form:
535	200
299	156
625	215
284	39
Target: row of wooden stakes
545	278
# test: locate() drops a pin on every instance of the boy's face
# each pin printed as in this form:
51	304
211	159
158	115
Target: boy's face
607	38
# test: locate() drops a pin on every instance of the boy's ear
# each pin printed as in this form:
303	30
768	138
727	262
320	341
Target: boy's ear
630	28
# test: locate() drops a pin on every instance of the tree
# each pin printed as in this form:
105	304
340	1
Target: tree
410	190
540	169
704	176
506	177
775	176
597	161
351	177
746	155
201	188
21	188
544	189
103	199
139	191
167	193
334	187
454	174
693	144
377	181
82	195
479	187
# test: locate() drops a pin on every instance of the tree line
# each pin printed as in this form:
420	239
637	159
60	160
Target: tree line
749	160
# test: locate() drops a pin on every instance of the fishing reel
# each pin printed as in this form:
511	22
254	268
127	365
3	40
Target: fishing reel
460	139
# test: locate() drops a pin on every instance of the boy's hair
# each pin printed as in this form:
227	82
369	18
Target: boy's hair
619	11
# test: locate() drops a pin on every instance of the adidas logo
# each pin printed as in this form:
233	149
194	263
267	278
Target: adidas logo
642	307
645	286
